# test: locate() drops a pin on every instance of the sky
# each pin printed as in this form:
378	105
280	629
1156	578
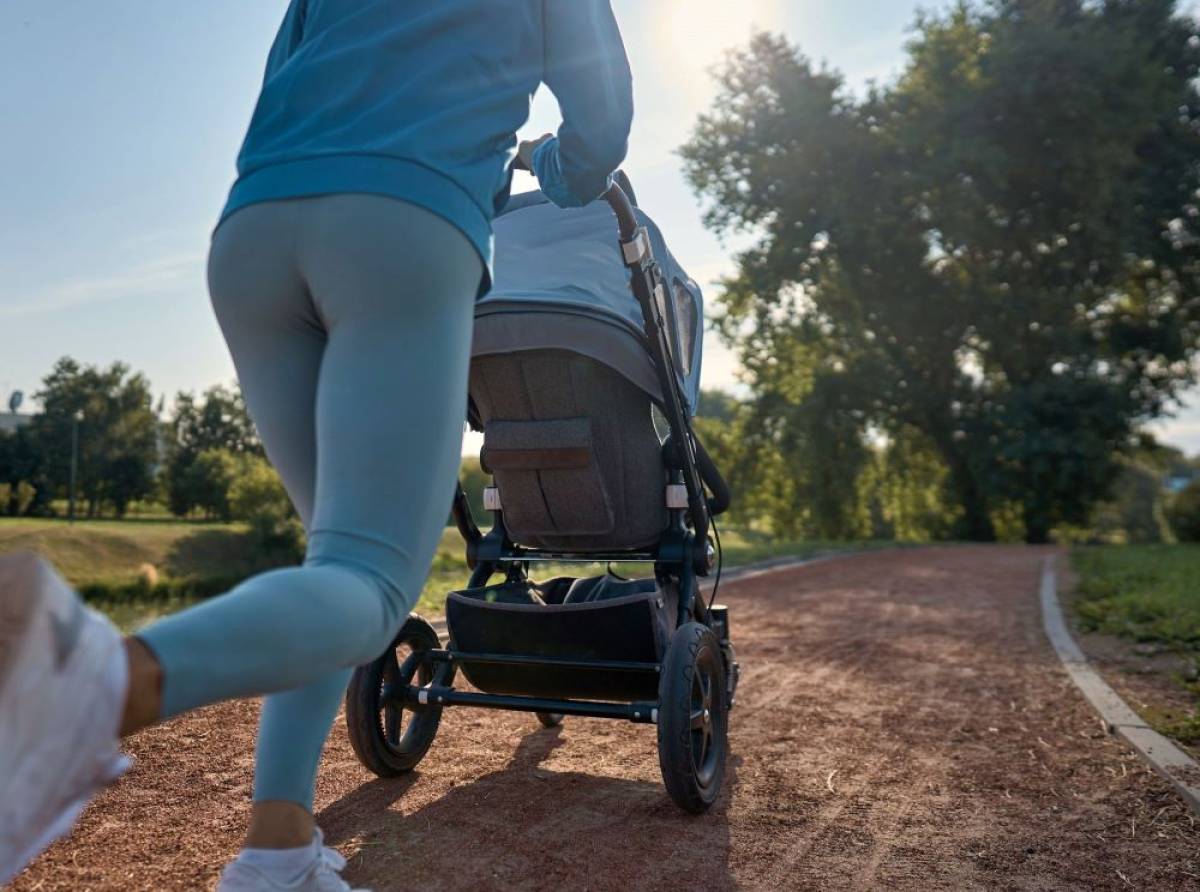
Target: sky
122	121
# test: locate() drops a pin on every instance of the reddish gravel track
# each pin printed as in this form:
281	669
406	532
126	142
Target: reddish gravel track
902	723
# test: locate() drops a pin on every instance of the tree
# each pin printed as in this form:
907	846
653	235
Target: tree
23	498
473	479
788	470
909	493
208	480
998	251
718	405
721	425
21	462
219	421
1137	512
117	434
257	496
1184	513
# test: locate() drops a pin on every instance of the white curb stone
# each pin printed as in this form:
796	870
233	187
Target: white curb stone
1179	769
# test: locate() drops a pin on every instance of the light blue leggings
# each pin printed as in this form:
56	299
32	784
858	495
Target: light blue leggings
349	320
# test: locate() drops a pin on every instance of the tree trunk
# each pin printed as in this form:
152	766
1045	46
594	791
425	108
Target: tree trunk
977	518
976	524
1037	522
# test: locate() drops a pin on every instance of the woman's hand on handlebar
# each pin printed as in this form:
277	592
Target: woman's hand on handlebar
525	150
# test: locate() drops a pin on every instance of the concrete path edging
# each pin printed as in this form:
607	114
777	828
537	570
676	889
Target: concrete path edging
1176	766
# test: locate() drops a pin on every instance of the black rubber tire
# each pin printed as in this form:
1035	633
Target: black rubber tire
550	719
693	718
383	741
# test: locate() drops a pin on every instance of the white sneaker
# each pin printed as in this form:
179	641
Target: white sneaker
320	875
63	680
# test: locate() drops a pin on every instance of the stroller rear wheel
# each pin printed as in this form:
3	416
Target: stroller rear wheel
388	737
693	718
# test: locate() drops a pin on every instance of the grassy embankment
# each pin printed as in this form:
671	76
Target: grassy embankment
1149	594
137	570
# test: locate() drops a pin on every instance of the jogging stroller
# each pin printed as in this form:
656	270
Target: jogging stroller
584	376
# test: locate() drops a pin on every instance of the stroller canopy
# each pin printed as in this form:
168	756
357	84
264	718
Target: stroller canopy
560	283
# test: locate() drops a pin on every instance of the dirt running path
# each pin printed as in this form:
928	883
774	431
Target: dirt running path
902	724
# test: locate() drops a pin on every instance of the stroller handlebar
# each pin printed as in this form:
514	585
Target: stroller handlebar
619	201
616	196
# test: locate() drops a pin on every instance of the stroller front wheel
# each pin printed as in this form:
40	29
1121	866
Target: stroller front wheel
693	718
389	738
550	719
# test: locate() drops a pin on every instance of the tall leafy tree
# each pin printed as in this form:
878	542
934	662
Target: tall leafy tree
218	421
117	433
21	461
998	251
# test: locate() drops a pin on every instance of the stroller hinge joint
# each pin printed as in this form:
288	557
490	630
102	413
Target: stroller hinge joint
637	248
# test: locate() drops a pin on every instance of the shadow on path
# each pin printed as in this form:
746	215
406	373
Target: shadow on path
528	827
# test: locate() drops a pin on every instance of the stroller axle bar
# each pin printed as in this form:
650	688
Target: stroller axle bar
625	557
642	713
523	660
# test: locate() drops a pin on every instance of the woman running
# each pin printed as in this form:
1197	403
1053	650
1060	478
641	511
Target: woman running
343	273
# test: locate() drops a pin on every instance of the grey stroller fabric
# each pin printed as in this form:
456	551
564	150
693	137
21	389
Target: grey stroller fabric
572	446
559	282
562	383
605	588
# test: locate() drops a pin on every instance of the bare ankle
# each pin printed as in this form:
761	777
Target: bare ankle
277	824
143	703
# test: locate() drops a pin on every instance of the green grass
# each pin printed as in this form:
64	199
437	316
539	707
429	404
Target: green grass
114	551
109	561
1184	728
1147	593
106	559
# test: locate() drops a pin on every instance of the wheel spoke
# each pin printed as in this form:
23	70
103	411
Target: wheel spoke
392	718
392	698
698	720
391	667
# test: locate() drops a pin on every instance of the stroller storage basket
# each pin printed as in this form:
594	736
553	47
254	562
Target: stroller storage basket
633	628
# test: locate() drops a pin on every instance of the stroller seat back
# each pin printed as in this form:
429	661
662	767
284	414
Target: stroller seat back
573	450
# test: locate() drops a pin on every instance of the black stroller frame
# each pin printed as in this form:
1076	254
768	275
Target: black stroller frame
692	730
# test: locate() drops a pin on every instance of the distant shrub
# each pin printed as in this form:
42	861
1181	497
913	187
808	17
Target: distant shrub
25	496
1136	513
257	492
145	591
1184	513
6	492
257	496
473	479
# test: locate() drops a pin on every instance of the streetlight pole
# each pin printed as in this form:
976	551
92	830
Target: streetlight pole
76	417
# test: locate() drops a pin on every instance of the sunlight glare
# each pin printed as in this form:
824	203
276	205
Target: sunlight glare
698	32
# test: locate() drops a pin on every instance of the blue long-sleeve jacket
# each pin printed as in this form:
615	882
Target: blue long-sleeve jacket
421	100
